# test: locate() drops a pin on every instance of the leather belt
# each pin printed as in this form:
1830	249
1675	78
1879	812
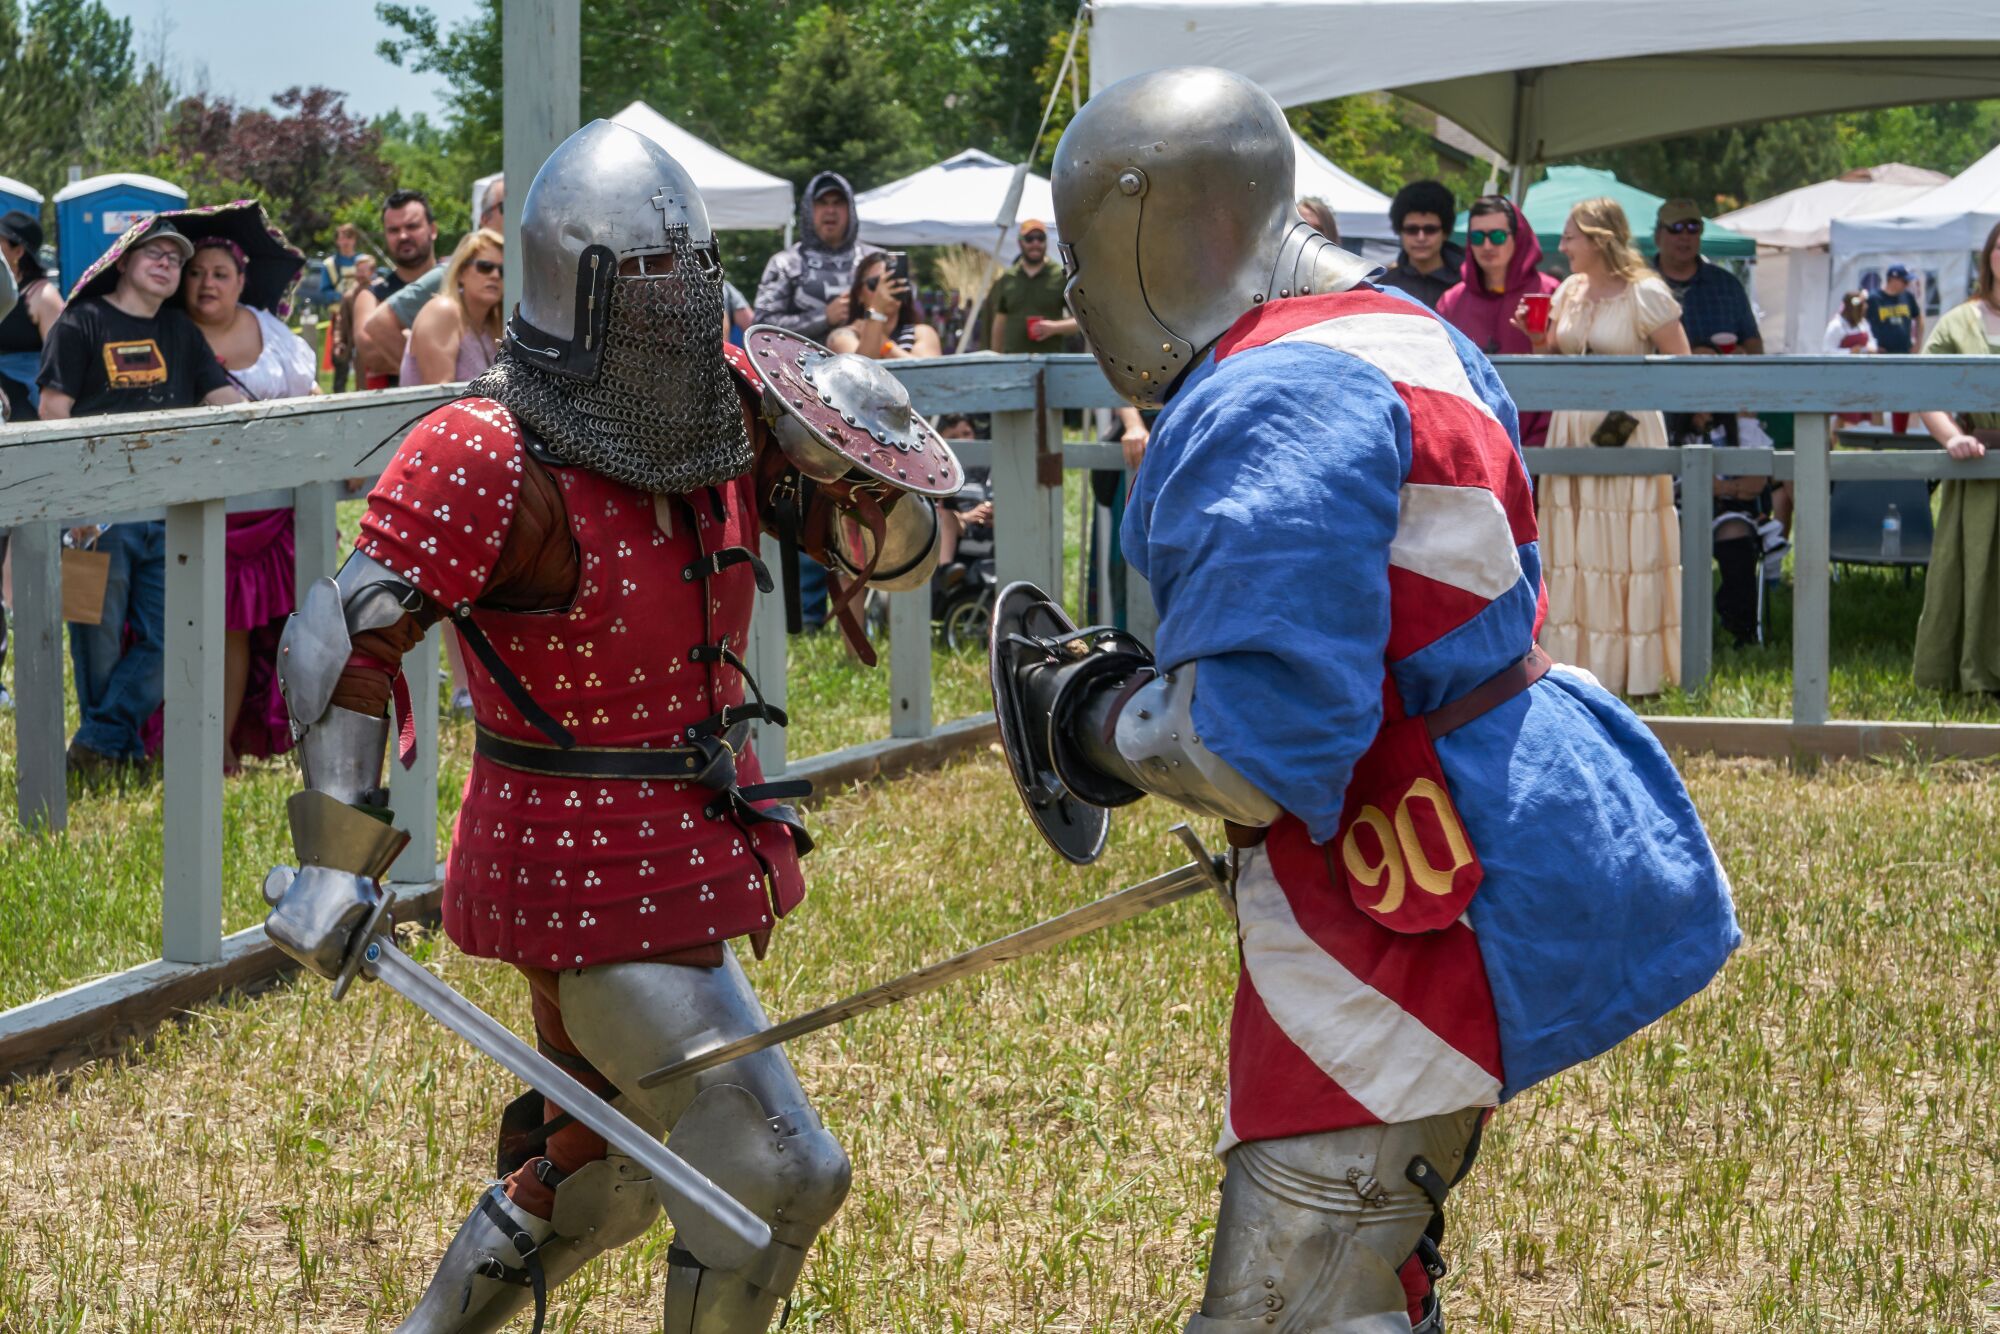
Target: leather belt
1489	694
670	762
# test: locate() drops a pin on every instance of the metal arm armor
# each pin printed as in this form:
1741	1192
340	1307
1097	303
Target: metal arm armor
342	829
1147	738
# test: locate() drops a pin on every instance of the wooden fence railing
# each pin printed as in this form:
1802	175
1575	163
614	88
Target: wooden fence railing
194	465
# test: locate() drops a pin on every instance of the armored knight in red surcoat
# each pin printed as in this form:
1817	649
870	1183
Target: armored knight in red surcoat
588	519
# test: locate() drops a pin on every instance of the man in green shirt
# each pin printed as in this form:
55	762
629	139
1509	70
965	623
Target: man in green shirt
1031	290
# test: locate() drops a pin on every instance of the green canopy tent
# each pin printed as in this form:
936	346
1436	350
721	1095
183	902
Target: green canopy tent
1551	198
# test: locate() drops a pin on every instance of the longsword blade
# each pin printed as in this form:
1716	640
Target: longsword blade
710	1222
1108	911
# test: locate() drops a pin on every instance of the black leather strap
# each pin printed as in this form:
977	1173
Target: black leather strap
676	763
530	1252
717	561
503	676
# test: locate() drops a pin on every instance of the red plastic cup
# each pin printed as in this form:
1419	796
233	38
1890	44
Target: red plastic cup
1035	323
1537	304
1723	343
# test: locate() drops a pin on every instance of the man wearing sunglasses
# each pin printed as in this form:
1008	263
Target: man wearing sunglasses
1715	310
1429	264
1029	312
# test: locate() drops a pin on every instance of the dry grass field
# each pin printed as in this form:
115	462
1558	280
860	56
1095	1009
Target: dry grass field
1811	1145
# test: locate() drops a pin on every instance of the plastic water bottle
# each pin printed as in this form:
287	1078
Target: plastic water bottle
1892	535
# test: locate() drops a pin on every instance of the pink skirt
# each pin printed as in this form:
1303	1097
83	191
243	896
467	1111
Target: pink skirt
257	567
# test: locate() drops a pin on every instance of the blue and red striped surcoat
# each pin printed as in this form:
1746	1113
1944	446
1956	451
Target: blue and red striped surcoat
1333	513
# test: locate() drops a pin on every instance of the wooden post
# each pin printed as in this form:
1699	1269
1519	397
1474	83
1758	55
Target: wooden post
540	74
42	794
1697	555
191	895
1027	516
315	536
1812	498
910	663
413	792
766	654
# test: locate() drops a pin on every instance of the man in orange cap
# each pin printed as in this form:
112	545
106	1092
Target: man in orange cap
1029	313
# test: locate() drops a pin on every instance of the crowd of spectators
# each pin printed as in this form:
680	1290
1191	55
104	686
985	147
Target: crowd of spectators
168	325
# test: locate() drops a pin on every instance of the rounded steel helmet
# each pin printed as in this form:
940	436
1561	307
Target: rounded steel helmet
606	194
1174	199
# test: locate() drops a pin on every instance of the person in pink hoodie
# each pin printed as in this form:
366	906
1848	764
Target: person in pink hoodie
1501	259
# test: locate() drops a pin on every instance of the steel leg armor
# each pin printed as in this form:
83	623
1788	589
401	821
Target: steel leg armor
746	1124
1314	1229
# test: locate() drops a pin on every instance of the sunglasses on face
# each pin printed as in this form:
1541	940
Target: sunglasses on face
1041	237
1497	236
489	266
1691	227
1422	229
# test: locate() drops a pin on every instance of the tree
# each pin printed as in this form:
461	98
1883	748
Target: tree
304	162
840	112
61	61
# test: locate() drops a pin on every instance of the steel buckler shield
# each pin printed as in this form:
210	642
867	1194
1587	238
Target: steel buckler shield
1032	658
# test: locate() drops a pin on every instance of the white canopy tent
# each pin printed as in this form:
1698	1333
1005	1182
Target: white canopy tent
954	202
1545	79
737	194
1361	210
1935	234
1793	278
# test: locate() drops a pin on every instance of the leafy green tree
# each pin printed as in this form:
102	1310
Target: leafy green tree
61	61
841	110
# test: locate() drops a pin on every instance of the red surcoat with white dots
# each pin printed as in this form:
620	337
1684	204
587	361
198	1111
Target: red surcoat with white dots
566	873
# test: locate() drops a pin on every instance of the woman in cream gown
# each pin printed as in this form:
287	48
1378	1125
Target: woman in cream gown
1611	552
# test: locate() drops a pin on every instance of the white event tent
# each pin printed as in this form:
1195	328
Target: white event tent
954	202
957	201
1540	80
1361	210
737	194
1936	234
1793	278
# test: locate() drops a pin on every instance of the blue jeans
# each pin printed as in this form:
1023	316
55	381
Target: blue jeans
117	688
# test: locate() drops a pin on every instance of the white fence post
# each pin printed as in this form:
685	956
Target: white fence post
541	73
766	656
191	892
1027	516
315	535
42	794
1697	555
1812	538
910	663
413	792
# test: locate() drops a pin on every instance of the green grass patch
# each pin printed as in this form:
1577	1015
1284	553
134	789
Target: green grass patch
1808	1146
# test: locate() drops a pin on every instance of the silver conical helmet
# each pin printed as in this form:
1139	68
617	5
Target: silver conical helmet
1174	199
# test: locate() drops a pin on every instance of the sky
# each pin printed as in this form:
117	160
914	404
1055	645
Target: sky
249	49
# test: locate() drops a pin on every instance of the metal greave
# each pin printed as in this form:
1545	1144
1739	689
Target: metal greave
746	1124
1314	1229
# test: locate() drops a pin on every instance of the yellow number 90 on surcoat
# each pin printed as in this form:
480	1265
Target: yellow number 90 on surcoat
1399	855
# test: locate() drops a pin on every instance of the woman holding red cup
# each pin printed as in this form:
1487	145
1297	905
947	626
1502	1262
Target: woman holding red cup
1502	259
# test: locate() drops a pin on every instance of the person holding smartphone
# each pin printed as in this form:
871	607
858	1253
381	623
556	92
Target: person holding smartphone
887	323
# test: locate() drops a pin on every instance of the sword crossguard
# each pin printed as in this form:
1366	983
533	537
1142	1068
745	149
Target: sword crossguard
364	949
1207	860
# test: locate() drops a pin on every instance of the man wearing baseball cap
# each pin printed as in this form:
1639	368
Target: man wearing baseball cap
117	348
1895	314
1715	310
1029	312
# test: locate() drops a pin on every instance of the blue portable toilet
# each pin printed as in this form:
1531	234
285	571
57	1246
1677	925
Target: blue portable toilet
91	214
16	195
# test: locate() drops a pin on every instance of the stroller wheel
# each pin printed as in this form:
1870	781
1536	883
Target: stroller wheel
967	623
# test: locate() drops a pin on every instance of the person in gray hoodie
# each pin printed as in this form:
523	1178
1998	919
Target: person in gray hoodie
804	287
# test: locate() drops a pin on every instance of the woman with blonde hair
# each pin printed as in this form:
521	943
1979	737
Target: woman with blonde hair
1611	552
456	335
